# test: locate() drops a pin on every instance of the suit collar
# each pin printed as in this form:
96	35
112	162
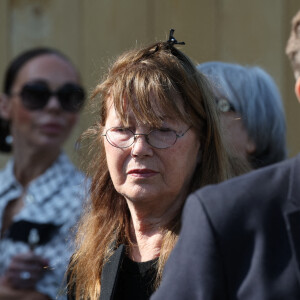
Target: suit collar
293	196
292	212
110	273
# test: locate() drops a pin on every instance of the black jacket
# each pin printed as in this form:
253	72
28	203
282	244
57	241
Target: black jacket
109	275
239	240
110	272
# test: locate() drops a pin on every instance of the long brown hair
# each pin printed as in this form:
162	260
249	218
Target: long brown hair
163	71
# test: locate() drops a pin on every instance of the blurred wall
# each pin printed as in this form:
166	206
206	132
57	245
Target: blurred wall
91	32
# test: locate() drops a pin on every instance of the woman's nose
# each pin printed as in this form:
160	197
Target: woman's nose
53	103
140	146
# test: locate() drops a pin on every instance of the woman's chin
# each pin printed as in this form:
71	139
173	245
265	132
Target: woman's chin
142	197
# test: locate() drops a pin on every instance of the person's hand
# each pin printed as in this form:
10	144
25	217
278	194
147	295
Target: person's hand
24	271
7	293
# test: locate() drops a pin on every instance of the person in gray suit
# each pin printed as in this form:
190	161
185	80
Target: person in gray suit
241	239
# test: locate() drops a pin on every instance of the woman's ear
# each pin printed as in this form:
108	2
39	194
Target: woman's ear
297	88
5	107
250	146
199	156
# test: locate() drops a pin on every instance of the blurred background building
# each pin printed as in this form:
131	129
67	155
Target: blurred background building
91	32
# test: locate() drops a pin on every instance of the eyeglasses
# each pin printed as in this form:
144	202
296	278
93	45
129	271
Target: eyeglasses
120	137
36	95
224	105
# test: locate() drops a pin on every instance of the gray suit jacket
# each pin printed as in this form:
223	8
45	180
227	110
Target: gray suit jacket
239	240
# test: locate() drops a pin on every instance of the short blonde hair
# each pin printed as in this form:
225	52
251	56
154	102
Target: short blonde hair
293	45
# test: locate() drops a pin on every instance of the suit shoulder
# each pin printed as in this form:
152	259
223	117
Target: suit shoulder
250	190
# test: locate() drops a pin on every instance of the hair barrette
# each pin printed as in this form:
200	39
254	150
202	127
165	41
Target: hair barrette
172	41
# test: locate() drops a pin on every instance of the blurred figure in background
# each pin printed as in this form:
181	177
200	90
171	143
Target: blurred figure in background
40	190
252	115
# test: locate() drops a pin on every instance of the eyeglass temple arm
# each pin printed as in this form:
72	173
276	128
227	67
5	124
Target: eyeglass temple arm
181	135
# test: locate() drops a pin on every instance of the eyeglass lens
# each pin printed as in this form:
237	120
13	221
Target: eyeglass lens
36	96
123	138
224	105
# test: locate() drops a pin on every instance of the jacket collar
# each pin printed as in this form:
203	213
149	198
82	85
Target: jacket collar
61	171
8	178
292	212
293	196
44	185
110	273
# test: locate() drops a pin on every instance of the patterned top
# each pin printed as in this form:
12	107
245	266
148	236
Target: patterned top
54	198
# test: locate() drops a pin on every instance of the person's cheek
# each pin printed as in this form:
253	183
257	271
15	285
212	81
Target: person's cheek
72	120
21	116
21	122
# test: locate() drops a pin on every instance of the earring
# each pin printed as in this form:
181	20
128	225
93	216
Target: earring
9	139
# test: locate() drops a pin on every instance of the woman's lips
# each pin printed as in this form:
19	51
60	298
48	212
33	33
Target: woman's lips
142	173
52	128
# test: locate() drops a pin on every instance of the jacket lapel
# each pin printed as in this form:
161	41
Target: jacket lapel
50	182
292	213
110	273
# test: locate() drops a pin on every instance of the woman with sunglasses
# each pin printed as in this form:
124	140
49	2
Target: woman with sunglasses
156	140
40	189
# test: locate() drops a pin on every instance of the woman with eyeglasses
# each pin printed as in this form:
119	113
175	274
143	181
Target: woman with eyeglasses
41	191
252	114
156	140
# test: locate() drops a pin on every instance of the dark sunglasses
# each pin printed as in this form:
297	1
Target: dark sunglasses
36	95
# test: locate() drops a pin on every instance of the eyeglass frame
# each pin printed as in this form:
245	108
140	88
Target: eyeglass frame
146	137
224	105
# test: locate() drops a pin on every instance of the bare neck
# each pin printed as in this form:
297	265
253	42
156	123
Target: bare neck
147	230
29	164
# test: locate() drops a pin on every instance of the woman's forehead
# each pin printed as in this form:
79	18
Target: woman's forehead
128	115
160	104
50	68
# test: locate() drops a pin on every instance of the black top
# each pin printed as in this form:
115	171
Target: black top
135	280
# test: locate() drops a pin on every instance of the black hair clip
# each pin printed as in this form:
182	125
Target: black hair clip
172	41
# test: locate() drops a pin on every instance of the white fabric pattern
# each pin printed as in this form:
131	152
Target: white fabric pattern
54	197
